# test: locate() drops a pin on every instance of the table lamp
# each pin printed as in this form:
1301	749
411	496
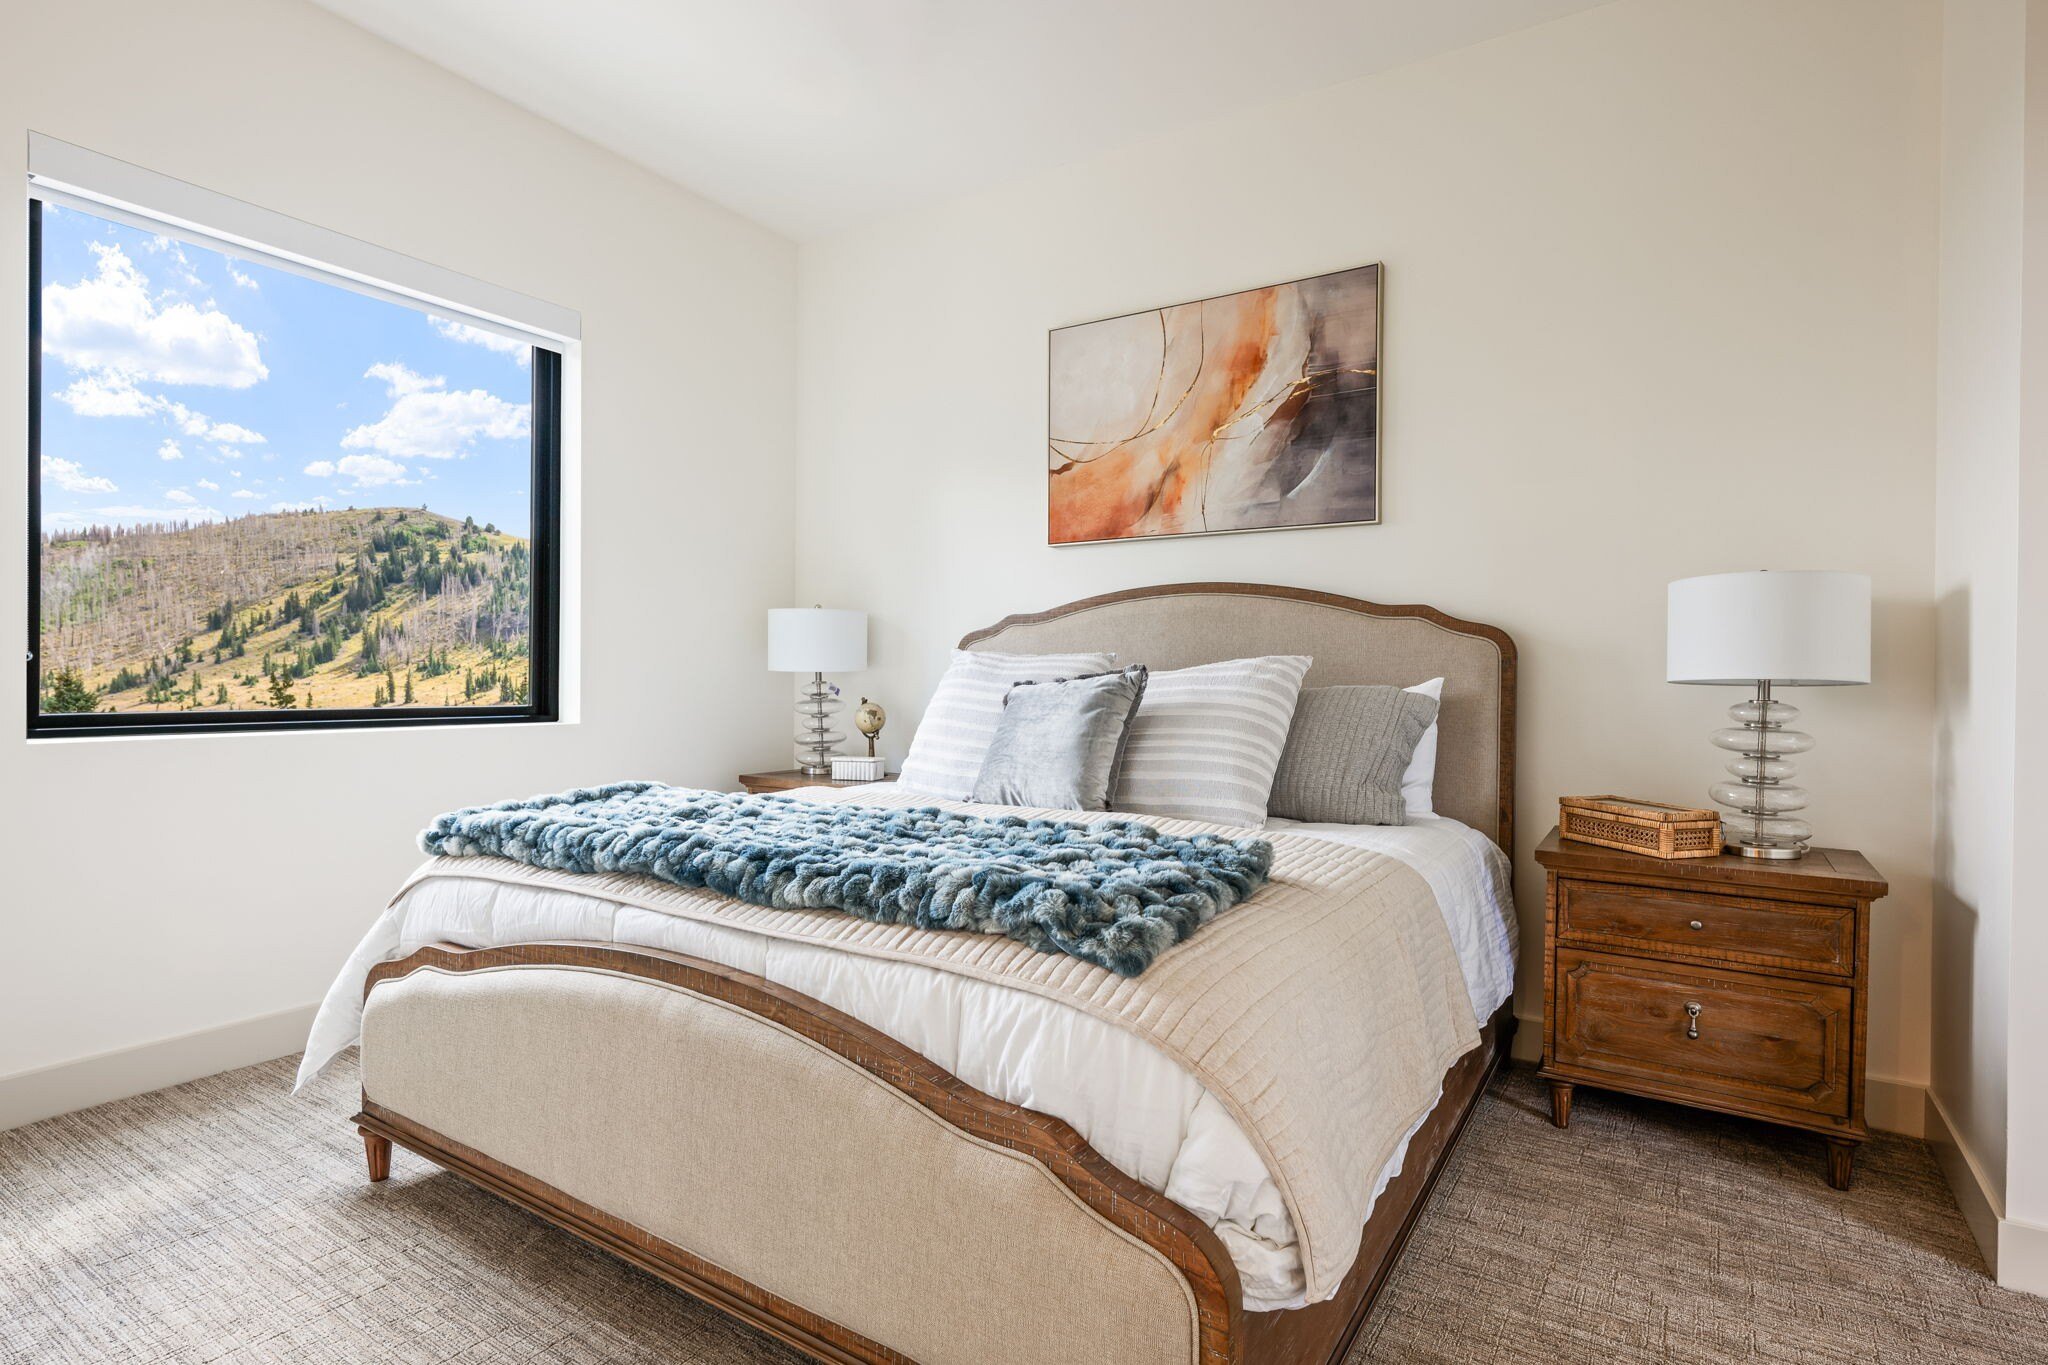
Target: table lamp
1767	629
817	641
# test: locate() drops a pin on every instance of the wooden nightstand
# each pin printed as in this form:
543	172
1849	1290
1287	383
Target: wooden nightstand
789	779
1728	983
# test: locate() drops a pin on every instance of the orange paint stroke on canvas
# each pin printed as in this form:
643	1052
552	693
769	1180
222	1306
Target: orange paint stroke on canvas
1151	483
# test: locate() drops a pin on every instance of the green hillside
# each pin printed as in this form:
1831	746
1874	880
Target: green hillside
373	607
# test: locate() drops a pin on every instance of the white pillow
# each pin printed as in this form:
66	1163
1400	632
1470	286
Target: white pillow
1418	781
952	738
1207	740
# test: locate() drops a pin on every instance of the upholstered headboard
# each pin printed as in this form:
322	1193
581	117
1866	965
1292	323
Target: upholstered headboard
1180	624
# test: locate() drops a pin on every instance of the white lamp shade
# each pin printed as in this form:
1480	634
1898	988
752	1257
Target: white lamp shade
1793	628
817	640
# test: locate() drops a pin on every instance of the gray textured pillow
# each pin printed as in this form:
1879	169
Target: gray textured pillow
1058	743
1346	752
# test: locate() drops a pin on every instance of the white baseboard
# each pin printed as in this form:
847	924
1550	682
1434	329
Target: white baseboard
2023	1256
1528	1044
1982	1208
1894	1105
58	1089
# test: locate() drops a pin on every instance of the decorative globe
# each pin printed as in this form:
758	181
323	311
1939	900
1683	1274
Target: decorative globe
869	720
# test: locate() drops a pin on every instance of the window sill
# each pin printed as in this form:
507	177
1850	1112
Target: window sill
353	729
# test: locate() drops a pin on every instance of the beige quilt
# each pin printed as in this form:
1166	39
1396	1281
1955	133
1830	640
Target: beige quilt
1322	1013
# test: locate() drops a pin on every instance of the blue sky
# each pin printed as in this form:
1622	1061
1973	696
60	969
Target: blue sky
183	384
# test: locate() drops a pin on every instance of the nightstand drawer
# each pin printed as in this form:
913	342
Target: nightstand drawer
1756	1042
1708	926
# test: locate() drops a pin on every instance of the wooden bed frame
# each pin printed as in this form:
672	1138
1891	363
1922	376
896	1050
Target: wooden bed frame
1227	1334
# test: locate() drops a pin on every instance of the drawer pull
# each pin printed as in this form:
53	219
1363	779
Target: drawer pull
1697	925
1692	1018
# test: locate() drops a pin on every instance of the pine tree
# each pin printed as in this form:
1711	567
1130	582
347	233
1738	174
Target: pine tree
408	687
281	690
68	693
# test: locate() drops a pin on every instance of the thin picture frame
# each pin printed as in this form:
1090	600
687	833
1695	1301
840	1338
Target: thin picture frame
1379	412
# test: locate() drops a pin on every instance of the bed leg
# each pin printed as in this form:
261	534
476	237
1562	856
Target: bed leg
378	1151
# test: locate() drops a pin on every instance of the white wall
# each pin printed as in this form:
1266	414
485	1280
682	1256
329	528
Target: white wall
154	888
1660	301
1989	1090
2024	1244
1975	568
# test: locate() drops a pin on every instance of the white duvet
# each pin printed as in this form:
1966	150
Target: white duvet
1142	1111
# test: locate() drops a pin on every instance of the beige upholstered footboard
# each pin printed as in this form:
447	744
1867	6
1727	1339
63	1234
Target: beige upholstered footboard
786	1161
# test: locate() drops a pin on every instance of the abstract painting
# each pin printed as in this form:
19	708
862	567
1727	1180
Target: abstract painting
1245	412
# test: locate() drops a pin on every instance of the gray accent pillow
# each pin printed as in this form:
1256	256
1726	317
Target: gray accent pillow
1346	752
1058	743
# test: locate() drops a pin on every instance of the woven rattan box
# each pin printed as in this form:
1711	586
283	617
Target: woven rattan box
1653	828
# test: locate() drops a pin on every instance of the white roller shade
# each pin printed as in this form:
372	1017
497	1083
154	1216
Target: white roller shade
73	177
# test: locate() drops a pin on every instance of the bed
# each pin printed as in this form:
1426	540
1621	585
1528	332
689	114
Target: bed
792	1130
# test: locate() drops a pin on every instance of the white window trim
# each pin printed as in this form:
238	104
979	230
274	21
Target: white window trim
63	174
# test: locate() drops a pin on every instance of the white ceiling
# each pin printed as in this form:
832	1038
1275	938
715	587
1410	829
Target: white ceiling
813	115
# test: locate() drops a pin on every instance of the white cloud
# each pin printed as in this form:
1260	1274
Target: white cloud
477	336
241	280
242	493
302	505
208	484
115	395
180	495
68	476
183	269
112	325
430	422
130	515
399	379
372	471
95	395
369	471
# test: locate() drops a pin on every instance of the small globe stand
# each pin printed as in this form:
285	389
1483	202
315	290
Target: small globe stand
869	720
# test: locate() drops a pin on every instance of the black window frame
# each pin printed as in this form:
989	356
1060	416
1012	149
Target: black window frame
544	544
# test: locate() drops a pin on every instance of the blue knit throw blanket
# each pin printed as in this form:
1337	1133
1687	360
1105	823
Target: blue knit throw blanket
1113	892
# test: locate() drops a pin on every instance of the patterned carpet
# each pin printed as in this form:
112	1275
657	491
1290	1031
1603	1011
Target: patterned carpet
223	1221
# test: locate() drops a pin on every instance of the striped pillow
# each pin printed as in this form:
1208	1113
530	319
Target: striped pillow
952	739
1206	740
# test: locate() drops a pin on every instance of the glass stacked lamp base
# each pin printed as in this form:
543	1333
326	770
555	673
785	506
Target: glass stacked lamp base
1757	822
817	741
